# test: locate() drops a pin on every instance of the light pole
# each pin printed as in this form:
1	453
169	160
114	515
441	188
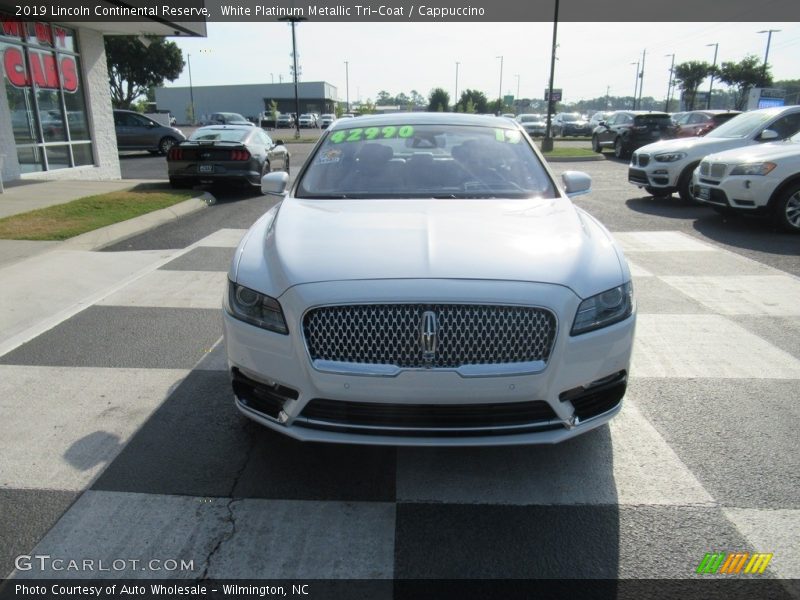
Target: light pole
713	67
191	87
547	142
501	82
641	78
455	96
669	84
347	83
769	33
635	84
517	76
293	21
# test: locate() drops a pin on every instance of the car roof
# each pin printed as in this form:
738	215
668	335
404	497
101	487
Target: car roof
421	118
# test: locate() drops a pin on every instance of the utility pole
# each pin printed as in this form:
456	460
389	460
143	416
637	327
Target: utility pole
547	142
641	78
714	66
293	21
635	84
769	33
347	83
191	87
501	82
669	85
455	96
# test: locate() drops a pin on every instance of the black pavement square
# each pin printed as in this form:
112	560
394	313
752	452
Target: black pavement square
124	337
449	541
25	516
737	436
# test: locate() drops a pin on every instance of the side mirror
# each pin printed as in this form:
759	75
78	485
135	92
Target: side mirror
576	183
152	124
602	124
274	184
768	134
279	142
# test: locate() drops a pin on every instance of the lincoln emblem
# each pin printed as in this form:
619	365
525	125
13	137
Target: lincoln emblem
429	335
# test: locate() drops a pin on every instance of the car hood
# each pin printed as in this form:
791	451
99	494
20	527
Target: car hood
542	240
695	146
770	151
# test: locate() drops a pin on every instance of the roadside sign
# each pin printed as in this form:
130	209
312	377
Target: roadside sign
556	95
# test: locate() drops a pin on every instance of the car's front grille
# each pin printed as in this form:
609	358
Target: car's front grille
715	170
444	336
428	419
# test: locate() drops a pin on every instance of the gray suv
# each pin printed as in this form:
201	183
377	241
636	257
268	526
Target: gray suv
137	132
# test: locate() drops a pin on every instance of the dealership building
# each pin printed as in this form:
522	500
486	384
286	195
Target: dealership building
56	119
249	100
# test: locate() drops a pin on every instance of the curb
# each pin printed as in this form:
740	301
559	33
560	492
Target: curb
574	158
117	232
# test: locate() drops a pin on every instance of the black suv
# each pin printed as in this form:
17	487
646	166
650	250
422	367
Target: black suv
627	130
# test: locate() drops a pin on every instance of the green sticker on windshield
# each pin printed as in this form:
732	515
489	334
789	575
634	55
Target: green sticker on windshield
511	136
372	133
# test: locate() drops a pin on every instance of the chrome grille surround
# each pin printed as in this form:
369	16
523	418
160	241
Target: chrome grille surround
388	337
712	169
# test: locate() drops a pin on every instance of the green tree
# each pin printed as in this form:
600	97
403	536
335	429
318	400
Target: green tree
384	98
472	101
438	100
134	68
747	73
689	76
417	99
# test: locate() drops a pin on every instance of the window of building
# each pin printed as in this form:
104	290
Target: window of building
45	93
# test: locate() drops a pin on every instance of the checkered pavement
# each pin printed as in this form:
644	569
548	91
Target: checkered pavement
120	435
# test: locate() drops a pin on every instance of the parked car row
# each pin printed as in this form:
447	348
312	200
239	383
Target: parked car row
750	164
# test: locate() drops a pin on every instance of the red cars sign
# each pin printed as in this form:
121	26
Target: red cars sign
43	72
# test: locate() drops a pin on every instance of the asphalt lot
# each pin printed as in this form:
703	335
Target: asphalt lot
120	439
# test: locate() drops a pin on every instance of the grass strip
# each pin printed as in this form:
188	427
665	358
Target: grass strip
63	221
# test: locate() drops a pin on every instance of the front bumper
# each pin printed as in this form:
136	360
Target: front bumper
643	171
740	192
580	388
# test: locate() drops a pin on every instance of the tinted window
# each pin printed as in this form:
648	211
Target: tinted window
425	161
219	135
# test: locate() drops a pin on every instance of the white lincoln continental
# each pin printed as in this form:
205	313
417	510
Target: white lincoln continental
427	281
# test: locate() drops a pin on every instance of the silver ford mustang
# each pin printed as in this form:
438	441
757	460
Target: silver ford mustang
427	281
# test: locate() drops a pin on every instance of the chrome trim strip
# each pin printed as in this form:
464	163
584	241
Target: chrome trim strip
373	370
334	424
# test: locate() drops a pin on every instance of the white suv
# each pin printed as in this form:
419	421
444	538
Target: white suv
667	166
754	180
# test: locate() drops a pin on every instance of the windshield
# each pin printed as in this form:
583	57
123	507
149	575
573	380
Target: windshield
741	126
571	117
218	135
425	161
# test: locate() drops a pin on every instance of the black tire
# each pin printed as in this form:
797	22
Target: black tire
787	209
685	185
619	149
166	143
596	145
656	192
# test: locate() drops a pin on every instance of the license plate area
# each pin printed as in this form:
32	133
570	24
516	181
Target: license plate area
702	192
205	168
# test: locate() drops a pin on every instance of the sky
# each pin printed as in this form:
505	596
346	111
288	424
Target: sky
593	58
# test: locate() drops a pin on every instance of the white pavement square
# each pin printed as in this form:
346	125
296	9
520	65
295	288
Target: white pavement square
776	295
775	531
705	346
223	238
660	241
62	426
172	289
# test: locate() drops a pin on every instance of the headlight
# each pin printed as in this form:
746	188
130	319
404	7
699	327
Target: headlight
254	308
604	309
761	168
669	156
